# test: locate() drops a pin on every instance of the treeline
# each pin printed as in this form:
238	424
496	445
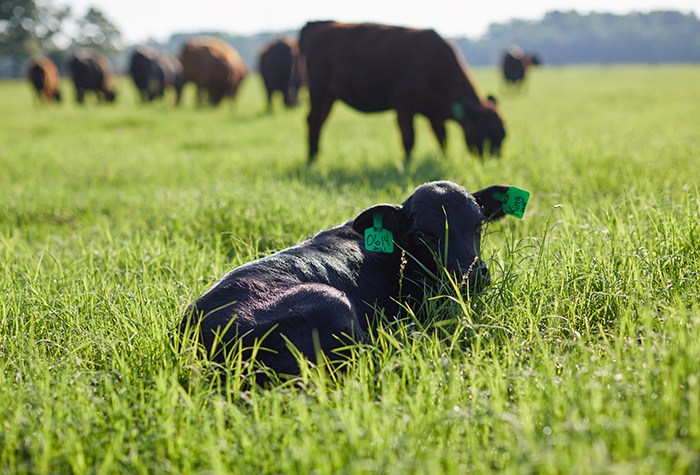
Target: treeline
559	38
599	38
32	27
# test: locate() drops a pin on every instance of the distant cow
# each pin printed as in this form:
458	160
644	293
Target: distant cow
214	66
91	71
43	75
515	63
153	71
375	68
326	291
279	67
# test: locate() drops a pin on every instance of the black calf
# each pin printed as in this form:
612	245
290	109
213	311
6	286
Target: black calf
322	293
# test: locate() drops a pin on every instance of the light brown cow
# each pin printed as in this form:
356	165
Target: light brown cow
43	74
214	66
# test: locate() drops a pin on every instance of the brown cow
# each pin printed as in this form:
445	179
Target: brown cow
43	74
214	66
92	71
375	68
279	67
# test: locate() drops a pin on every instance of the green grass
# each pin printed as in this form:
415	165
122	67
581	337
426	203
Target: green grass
584	356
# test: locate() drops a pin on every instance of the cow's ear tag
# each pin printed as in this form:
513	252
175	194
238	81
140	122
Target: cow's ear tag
378	239
514	201
458	111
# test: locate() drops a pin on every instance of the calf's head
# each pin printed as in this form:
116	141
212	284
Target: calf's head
440	223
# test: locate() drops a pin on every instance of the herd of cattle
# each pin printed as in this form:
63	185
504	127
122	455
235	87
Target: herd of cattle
368	66
321	294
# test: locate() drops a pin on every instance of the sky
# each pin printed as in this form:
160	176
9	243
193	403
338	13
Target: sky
157	19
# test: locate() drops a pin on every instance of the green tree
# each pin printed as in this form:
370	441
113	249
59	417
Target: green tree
95	30
51	25
569	37
18	21
29	27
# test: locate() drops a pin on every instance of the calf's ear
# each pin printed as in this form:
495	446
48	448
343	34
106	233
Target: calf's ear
393	218
491	201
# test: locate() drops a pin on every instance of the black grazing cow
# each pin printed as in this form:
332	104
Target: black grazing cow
153	71
279	67
375	68
515	63
329	287
91	71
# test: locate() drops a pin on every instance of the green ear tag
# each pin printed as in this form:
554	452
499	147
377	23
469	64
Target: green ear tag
458	111
378	239
514	201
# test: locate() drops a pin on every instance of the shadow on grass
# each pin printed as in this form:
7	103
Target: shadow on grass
375	175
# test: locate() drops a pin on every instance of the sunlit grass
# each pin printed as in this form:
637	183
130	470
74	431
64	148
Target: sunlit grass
582	356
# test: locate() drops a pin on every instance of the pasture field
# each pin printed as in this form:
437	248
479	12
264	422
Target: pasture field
582	357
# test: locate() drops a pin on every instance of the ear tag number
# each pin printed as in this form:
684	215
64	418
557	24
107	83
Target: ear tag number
514	201
378	239
458	111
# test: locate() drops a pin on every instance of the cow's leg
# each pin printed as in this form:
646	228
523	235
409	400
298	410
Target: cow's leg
269	100
438	127
201	93
320	108
80	95
287	94
215	97
232	91
178	93
313	318
269	91
405	119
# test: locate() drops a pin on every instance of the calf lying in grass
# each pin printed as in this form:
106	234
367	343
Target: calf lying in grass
323	293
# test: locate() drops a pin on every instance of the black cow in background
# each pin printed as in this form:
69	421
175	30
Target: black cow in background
153	71
92	71
280	69
515	63
375	68
324	292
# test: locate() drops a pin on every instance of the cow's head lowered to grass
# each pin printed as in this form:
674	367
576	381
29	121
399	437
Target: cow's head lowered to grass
483	125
